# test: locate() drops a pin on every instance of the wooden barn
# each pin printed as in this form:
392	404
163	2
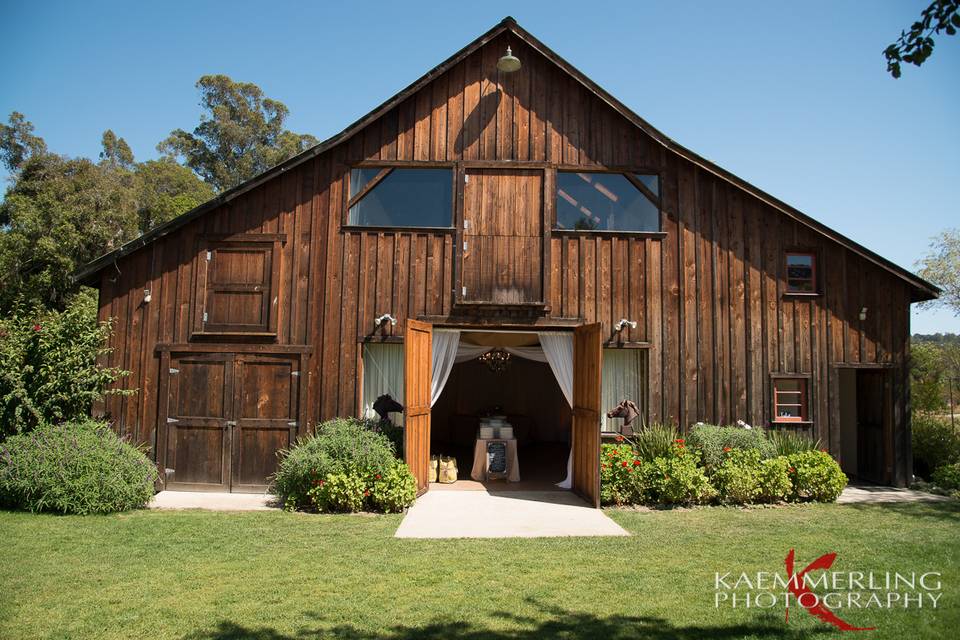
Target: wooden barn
505	241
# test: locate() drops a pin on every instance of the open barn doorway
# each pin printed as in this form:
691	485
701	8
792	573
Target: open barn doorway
502	387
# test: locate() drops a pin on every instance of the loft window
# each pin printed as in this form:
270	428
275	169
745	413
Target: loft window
801	273
608	201
790	400
400	197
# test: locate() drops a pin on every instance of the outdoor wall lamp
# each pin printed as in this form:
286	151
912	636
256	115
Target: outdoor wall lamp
624	323
508	63
147	296
384	319
863	313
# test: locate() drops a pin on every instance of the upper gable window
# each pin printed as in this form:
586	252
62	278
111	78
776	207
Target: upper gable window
801	273
401	197
608	202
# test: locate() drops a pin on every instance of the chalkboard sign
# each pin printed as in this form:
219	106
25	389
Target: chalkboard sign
496	457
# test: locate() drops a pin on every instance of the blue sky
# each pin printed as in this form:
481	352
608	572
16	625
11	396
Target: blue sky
793	97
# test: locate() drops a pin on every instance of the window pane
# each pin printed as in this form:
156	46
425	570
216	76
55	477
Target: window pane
789	384
800	269
603	202
650	182
405	198
382	374
790	399
622	379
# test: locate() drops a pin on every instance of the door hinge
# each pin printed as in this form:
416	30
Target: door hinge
292	424
231	423
172	370
466	177
464	292
466	224
204	316
295	374
464	245
171	420
209	256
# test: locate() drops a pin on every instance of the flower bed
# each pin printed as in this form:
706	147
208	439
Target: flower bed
719	465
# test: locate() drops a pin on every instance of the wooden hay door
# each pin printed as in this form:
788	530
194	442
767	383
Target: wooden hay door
586	412
417	378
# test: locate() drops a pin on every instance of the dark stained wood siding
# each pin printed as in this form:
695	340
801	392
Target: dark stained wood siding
707	293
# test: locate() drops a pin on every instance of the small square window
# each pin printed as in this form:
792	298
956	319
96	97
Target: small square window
801	273
790	400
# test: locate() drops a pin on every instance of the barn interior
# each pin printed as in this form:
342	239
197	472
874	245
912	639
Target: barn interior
500	383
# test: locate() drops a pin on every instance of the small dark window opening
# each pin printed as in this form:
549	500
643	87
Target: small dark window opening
790	400
801	273
400	197
608	202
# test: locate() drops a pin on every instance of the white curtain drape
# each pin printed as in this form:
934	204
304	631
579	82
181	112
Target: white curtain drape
558	349
622	380
445	347
382	374
470	351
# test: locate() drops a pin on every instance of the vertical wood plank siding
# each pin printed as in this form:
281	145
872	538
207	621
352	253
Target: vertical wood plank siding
708	296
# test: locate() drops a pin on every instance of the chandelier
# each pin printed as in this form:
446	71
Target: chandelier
497	360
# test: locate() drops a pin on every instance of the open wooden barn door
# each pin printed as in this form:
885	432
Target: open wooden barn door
586	412
417	377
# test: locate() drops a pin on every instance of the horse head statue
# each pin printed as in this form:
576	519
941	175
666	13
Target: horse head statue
627	410
385	405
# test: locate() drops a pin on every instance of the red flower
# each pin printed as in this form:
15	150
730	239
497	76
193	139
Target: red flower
636	463
792	470
604	465
824	451
624	463
629	469
679	440
320	483
367	492
619	438
726	449
377	476
37	327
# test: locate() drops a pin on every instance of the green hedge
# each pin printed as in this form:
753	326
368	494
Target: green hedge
75	467
935	444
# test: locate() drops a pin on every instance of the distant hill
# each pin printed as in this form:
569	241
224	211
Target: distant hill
936	338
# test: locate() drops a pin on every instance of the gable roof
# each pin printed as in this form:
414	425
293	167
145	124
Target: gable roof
921	289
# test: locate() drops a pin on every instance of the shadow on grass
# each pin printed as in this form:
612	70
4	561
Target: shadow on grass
557	624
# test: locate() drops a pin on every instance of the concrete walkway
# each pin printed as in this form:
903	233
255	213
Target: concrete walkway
514	514
874	494
213	501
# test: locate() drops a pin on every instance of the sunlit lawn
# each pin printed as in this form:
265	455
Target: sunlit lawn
277	575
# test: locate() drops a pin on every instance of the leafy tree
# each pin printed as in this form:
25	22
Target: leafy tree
941	266
927	385
240	134
116	153
916	45
165	189
17	142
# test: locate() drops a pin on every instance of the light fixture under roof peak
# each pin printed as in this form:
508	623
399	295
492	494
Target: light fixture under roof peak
508	63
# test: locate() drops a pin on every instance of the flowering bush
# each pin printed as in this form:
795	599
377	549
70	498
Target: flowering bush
815	475
342	445
737	477
619	477
773	477
75	467
339	492
712	440
675	479
395	490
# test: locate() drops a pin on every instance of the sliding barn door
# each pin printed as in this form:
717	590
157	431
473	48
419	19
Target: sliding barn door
586	412
417	378
502	236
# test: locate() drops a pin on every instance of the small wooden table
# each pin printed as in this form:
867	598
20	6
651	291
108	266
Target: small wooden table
479	471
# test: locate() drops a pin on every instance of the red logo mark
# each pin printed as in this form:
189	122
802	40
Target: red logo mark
815	607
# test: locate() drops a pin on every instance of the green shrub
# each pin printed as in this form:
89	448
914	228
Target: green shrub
48	365
712	440
773	479
343	492
675	479
935	443
395	490
655	441
619	477
341	445
75	467
393	433
737	478
815	476
947	477
786	442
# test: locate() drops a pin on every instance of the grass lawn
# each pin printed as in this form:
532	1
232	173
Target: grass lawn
274	576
